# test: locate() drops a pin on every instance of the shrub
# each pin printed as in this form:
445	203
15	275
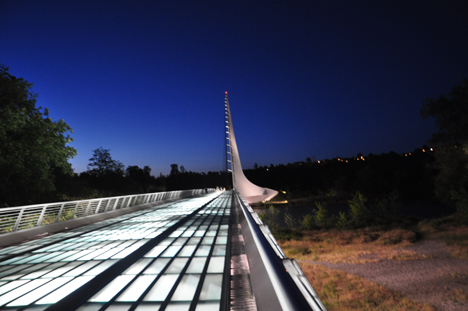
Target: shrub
308	222
320	214
358	207
270	218
342	221
289	220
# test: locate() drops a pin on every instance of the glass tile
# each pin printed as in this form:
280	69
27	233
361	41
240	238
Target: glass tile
111	289
219	250
76	255
134	291
65	290
44	270
212	287
194	240
186	288
221	240
177	307
12	271
157	266
59	271
207	306
196	265
216	265
12	285
109	253
22	290
203	250
210	233
39	292
162	287
187	251
100	268
118	307
82	268
171	251
208	240
156	251
90	307
199	233
188	233
175	233
126	252
177	265
180	241
138	266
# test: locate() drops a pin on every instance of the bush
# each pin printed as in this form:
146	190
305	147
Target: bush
320	214
270	218
308	222
289	221
358	211
342	222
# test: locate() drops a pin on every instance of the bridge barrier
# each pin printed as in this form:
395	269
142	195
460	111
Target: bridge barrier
23	217
281	270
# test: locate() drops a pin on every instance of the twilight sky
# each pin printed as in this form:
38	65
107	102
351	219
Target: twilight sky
146	79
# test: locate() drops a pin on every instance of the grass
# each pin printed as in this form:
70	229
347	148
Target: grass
351	246
450	231
342	291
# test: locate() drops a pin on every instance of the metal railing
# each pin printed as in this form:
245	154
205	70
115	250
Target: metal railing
28	216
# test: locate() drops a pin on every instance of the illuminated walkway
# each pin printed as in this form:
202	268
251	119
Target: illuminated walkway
200	254
172	256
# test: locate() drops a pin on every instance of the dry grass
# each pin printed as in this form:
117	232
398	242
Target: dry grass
451	232
352	246
342	291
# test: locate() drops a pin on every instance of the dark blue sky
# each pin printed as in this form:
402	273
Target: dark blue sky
146	79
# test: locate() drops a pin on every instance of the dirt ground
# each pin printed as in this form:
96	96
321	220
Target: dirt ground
438	278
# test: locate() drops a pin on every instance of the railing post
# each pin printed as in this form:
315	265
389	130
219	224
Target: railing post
107	205
15	227
42	215
96	211
115	204
87	208
60	213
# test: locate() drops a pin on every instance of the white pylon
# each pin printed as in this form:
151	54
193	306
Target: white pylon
251	192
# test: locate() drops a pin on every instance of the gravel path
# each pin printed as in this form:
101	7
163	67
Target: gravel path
440	280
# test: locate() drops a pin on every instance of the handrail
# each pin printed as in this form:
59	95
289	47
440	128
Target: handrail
28	216
279	267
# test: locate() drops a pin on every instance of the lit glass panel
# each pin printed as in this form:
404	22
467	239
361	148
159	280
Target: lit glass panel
194	240
156	251
177	265
180	241
64	290
187	251
157	266
212	287
208	240
207	306
177	307
196	265
111	289
221	240
186	288
216	265
79	270
203	250
148	307
100	268
219	250
47	269
162	287
12	285
134	291
138	266
59	271
171	251
39	292
21	290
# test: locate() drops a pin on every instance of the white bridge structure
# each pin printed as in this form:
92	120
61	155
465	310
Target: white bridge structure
251	192
194	250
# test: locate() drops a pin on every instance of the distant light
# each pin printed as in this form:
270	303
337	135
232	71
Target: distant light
318	161
410	153
285	191
406	154
432	149
424	150
225	93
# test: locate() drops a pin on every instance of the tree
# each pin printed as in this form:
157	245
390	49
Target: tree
32	145
450	113
102	164
174	169
451	154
